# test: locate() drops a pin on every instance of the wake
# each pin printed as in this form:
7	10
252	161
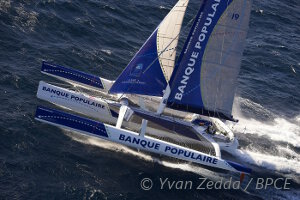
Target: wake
277	130
146	157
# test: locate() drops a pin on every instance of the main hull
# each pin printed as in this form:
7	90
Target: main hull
129	138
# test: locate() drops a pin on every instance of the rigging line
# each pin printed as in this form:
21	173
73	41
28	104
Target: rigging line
168	45
149	54
78	89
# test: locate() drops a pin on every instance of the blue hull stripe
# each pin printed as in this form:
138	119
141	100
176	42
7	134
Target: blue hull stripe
71	121
73	75
239	167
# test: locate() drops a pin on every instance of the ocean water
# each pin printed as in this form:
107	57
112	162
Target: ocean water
38	161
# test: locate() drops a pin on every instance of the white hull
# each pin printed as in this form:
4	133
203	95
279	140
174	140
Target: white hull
132	139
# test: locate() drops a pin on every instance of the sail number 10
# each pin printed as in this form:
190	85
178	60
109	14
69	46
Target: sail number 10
235	16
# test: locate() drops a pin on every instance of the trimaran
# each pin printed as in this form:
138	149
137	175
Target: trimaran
157	104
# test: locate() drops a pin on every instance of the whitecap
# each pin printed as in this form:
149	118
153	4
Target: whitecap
107	51
5	6
25	19
271	162
279	129
146	157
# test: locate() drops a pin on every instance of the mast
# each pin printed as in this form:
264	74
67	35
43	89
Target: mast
164	100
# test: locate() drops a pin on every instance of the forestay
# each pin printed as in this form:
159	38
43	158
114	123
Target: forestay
205	77
150	69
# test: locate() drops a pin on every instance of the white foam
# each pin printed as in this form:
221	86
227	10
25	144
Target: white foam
5	6
279	129
123	149
164	8
298	119
287	152
107	51
25	19
272	162
107	145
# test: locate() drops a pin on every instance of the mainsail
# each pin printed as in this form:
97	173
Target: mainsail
205	77
150	69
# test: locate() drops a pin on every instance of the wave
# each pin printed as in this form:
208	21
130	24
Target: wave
272	162
146	157
278	130
298	119
5	6
107	51
108	145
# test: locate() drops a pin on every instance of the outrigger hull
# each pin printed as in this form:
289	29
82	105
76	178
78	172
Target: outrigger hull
131	139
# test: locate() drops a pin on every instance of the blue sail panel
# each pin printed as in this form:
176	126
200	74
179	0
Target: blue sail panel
205	76
143	75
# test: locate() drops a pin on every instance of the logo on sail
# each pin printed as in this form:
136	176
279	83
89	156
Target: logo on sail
198	49
137	71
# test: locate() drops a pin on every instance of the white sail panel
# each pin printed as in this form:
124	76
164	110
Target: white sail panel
222	57
168	35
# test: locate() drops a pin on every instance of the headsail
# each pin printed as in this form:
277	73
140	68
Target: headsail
149	71
167	37
205	77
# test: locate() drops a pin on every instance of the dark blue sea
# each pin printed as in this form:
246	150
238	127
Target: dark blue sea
38	161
